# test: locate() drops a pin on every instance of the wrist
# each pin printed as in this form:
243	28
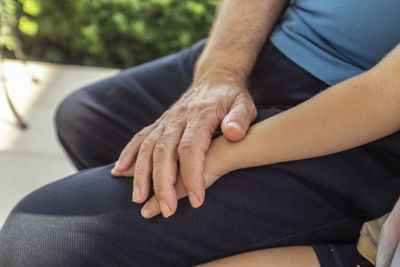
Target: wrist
219	161
216	76
230	156
220	70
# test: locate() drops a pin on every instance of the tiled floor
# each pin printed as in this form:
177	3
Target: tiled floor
33	157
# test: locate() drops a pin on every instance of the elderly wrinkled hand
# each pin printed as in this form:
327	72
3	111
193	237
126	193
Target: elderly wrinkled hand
179	140
215	167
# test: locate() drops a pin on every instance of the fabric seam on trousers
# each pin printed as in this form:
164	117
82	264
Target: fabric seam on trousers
309	230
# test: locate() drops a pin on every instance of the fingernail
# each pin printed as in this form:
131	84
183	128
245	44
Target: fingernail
146	213
136	194
165	209
194	200
235	125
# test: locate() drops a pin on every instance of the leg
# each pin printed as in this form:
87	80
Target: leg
282	257
96	122
89	220
296	256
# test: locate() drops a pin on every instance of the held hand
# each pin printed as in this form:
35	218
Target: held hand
152	207
215	167
183	134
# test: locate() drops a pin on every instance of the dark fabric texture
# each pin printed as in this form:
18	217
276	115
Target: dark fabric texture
88	219
340	256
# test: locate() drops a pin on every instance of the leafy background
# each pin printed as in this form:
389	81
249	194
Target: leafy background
108	33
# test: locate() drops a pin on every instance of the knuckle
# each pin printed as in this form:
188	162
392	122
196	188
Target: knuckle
247	105
185	147
139	136
161	149
169	132
146	146
180	109
160	190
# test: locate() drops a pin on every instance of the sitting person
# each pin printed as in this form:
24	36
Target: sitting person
242	115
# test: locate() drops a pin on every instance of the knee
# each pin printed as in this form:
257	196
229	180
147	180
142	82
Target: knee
40	240
24	238
75	122
69	113
54	224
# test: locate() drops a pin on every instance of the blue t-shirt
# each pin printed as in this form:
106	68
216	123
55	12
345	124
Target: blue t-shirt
337	39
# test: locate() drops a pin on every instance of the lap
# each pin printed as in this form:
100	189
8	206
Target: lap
88	219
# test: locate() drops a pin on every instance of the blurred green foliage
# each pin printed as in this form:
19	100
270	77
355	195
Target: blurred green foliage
110	33
6	37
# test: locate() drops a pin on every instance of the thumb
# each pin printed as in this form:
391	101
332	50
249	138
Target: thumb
235	124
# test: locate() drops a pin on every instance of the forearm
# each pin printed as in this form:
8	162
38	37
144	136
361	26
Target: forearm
354	112
239	31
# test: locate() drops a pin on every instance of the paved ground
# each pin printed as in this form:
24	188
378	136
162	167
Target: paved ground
32	158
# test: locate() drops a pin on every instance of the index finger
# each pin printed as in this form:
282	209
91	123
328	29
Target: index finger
129	153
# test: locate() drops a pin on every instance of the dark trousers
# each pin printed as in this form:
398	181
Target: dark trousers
88	219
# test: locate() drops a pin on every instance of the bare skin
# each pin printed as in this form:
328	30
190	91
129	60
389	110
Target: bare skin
337	119
274	257
217	97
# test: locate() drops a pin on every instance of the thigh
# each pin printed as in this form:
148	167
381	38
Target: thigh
88	219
